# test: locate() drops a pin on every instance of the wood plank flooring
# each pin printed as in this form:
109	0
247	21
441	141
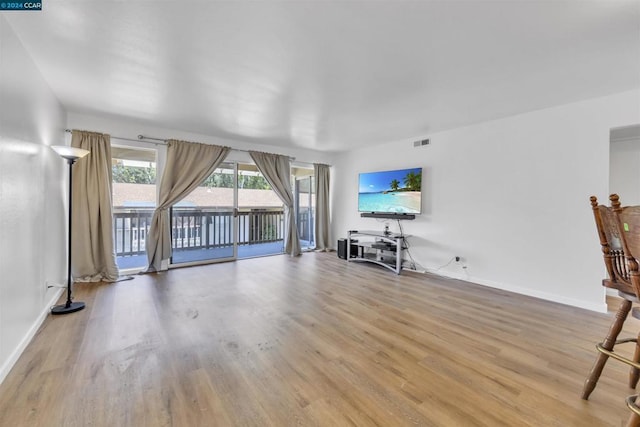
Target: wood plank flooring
312	341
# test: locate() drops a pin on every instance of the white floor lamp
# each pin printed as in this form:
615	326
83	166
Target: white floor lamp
71	154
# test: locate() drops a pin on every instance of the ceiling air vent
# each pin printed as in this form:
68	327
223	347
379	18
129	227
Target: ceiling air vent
421	143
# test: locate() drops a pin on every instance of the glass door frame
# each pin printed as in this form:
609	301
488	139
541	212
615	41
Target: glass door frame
234	224
160	157
259	227
311	210
236	165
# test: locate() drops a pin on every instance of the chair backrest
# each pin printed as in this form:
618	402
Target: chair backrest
612	250
628	225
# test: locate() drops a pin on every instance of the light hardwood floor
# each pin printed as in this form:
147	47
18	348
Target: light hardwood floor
312	340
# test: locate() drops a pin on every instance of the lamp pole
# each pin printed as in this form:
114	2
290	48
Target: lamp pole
71	155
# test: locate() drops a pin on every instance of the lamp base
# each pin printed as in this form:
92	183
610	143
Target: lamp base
63	309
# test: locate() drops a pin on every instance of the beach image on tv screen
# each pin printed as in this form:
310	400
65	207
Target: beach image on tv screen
397	191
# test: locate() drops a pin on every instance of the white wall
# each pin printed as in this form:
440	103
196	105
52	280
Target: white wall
32	201
510	196
624	171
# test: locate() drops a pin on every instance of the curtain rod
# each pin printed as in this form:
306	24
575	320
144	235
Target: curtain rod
142	138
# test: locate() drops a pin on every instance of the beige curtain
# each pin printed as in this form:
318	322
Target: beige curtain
188	164
277	171
94	257
322	174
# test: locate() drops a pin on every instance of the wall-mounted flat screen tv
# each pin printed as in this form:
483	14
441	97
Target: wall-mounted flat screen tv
395	191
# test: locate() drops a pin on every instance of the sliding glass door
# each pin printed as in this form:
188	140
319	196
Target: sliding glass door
260	215
134	200
203	224
233	214
304	193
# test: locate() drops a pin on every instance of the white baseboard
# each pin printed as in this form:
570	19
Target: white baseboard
612	292
15	355
600	308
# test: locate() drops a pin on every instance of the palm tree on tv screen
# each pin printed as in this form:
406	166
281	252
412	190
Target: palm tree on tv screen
412	181
394	184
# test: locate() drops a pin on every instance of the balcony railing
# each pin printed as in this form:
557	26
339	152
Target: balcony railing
201	228
305	225
130	227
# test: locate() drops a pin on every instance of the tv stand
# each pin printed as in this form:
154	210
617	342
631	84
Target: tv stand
378	248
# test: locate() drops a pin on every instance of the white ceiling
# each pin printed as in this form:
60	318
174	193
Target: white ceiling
329	75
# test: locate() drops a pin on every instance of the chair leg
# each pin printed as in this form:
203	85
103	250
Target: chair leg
634	373
634	421
634	418
609	342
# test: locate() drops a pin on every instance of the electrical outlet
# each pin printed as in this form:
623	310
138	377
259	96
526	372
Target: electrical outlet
49	285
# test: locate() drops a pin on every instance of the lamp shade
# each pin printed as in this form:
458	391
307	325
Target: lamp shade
69	153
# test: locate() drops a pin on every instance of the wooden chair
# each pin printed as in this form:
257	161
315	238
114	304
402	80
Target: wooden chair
619	279
628	224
